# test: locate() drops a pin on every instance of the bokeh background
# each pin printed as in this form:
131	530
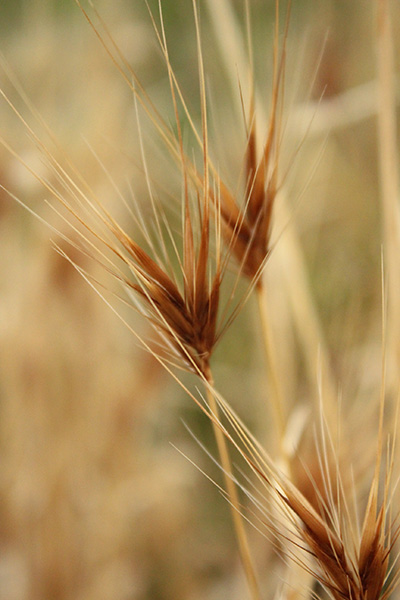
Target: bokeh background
95	501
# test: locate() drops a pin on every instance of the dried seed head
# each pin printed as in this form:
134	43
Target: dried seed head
247	229
335	570
186	313
325	540
247	224
347	565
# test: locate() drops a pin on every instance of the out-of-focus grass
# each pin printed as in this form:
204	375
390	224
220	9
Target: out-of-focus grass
94	502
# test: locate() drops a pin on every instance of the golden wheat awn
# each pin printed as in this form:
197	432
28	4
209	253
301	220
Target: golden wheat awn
188	287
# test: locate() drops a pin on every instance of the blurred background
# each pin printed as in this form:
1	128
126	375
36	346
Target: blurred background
95	502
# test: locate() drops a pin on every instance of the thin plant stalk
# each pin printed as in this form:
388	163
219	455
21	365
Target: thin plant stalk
232	491
277	392
388	166
296	575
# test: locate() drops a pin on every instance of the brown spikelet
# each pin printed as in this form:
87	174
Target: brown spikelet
324	540
326	547
373	557
311	481
247	225
188	317
348	568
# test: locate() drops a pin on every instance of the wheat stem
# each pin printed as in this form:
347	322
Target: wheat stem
389	175
277	393
231	489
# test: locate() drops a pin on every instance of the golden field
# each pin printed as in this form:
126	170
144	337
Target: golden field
100	496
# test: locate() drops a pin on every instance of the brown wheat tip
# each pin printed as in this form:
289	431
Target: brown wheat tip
186	314
323	538
247	224
349	566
